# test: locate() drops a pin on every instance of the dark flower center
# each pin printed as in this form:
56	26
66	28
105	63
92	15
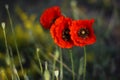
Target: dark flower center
83	32
65	34
52	21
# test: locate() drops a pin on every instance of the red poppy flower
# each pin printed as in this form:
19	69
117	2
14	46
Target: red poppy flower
60	32
49	16
82	33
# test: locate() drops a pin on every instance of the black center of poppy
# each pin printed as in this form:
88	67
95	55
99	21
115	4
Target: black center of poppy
65	34
52	21
83	32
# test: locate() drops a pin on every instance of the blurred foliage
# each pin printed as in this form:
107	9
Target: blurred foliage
103	58
30	36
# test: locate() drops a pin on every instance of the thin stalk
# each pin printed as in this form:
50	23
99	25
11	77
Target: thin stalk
84	74
4	33
40	64
7	50
64	65
15	71
56	78
61	65
13	65
5	37
6	77
54	65
81	66
13	32
72	63
55	58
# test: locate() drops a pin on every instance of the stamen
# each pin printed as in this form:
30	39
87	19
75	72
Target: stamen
83	32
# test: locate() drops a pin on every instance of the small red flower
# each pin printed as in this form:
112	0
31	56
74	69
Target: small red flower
82	33
49	16
60	32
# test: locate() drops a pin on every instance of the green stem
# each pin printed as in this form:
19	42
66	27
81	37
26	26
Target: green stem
84	74
7	51
61	65
56	78
4	32
13	32
6	77
40	64
71	58
54	65
17	75
80	70
13	65
6	45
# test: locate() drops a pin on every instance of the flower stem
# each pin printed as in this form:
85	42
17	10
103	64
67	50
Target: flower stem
72	63
13	32
84	74
39	60
5	37
61	65
6	45
54	65
56	78
13	66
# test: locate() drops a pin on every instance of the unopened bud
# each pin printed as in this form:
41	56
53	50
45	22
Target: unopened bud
6	6
56	72
38	49
3	25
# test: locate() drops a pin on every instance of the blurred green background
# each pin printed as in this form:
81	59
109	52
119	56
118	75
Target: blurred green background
103	57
